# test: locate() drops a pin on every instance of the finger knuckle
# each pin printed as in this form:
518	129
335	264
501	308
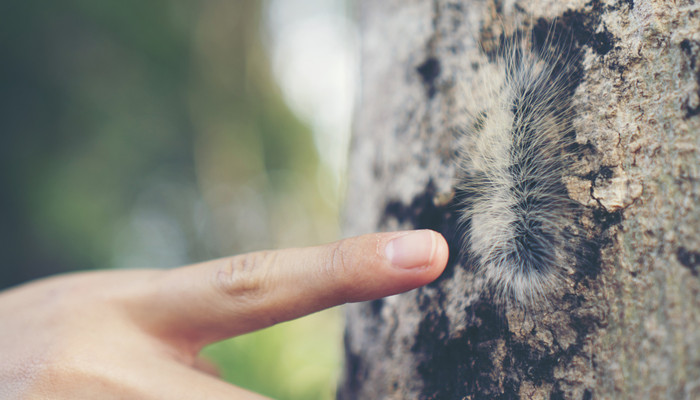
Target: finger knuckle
337	265
244	275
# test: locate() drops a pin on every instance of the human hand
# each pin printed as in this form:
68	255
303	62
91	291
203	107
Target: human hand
136	334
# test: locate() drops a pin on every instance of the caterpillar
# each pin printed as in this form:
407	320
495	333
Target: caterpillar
520	228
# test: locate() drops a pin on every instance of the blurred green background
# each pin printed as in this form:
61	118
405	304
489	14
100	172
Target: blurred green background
155	134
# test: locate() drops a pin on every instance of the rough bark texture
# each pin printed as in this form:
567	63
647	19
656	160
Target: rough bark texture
630	328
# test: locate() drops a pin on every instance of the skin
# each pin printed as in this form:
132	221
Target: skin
136	334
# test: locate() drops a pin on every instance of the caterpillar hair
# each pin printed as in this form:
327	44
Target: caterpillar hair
520	229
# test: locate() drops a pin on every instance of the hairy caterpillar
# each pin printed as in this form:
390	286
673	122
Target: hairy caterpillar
520	229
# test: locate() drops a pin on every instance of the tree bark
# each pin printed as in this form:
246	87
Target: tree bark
629	327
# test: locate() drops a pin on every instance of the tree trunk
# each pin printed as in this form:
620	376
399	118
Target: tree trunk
628	326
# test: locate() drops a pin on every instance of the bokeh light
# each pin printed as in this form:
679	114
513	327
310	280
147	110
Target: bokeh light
161	133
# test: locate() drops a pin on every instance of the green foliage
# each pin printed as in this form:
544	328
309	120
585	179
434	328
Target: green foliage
265	362
151	134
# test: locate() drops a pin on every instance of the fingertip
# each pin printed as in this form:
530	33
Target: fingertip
419	249
412	249
415	258
441	253
438	258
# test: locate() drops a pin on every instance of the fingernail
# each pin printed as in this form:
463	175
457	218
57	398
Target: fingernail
411	250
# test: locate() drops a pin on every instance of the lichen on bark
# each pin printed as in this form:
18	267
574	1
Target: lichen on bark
627	328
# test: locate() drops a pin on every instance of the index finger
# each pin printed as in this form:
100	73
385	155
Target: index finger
222	298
